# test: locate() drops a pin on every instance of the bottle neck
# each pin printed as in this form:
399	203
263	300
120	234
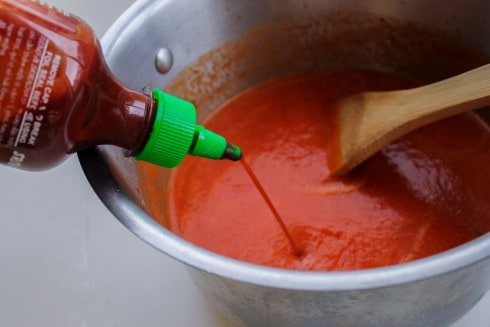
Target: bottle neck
153	126
113	115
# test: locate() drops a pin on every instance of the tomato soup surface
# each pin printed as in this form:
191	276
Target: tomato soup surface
425	193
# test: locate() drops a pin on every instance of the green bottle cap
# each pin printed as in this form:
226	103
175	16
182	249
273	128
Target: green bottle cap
175	134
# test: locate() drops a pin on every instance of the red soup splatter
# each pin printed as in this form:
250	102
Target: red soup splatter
421	195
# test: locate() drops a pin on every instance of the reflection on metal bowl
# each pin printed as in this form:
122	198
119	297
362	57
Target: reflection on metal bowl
220	47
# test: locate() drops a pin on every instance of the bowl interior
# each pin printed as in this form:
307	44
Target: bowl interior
305	43
229	46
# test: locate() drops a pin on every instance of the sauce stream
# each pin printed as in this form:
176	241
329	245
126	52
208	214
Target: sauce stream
297	251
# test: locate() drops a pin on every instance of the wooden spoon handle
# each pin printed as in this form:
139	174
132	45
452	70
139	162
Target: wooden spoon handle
372	120
426	104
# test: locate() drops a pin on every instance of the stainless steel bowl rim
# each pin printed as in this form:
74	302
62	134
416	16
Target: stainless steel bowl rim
136	220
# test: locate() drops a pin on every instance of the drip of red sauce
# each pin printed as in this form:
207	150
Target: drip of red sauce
296	250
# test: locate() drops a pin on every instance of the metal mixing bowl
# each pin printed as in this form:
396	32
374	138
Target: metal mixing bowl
219	47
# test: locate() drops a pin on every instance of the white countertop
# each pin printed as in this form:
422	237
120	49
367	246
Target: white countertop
66	261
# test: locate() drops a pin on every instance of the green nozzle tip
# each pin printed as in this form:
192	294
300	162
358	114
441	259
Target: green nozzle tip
232	152
208	144
176	134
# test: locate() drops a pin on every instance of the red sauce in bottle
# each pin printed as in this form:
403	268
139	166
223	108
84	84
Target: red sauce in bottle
421	195
57	95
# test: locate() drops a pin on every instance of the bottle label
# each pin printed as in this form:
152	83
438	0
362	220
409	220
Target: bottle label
29	66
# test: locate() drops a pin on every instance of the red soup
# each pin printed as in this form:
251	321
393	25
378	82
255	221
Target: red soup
425	193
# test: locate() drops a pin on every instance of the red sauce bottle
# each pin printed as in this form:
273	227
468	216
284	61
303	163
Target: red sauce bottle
58	96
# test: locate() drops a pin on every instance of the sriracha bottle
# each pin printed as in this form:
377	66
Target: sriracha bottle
58	96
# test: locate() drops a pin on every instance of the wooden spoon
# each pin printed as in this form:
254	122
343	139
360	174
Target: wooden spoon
371	120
